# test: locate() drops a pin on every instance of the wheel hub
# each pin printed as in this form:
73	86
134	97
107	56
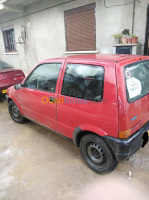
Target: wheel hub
96	153
15	111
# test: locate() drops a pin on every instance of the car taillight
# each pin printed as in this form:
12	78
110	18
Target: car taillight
124	134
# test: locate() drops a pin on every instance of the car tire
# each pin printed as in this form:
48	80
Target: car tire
15	113
97	154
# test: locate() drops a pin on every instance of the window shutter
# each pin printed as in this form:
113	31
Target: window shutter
80	26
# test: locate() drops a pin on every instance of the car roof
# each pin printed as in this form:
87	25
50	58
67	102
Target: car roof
103	57
106	57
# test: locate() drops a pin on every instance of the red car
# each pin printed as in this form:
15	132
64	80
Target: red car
9	76
101	102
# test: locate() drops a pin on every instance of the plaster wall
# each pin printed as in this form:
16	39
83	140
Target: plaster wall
46	29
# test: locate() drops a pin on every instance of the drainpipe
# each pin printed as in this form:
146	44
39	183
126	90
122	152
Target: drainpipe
133	16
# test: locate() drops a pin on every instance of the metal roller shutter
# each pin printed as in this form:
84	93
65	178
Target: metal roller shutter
80	26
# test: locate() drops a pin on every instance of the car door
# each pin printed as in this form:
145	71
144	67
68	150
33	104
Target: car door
89	97
38	94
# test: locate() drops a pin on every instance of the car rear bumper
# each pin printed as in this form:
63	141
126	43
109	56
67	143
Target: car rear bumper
5	87
124	149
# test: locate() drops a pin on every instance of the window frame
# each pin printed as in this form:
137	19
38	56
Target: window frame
82	63
6	39
127	96
24	86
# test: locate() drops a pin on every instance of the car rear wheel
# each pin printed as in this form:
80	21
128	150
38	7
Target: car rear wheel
97	154
15	113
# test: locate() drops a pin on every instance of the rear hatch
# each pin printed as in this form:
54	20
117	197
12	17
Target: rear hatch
10	73
135	112
10	76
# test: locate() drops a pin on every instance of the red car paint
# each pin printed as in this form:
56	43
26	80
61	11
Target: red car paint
106	118
10	76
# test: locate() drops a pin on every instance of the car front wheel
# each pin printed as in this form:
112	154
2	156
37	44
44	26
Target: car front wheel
97	154
15	113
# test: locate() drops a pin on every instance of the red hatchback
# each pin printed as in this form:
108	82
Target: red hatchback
101	102
9	76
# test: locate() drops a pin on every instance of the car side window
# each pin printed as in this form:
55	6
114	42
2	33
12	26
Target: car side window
44	77
84	81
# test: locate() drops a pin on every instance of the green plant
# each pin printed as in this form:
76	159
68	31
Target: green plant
117	35
134	36
125	32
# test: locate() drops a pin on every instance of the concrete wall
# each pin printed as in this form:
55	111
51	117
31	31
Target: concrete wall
46	31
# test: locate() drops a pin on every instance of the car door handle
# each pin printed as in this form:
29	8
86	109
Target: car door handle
52	99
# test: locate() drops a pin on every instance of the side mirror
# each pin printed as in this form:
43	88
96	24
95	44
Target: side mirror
17	86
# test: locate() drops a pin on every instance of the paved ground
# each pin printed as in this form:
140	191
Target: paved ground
38	164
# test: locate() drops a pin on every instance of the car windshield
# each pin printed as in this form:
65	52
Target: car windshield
4	65
137	80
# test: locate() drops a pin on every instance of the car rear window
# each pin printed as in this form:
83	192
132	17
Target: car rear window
137	80
4	65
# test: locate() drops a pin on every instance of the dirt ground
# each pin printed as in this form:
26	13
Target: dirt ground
38	164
